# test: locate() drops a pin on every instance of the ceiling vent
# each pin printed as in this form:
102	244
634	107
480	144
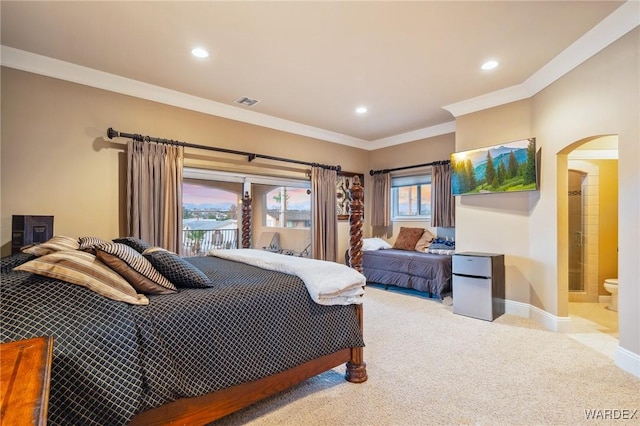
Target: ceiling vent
243	100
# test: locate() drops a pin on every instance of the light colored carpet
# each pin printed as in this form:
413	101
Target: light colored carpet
428	366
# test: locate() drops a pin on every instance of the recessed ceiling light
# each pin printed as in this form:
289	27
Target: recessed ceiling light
361	110
199	52
489	65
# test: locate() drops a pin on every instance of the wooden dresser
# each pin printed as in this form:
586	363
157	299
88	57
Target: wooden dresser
25	372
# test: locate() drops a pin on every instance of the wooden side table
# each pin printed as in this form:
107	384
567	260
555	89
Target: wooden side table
25	373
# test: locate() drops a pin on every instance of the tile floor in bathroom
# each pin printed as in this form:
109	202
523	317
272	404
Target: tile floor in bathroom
595	325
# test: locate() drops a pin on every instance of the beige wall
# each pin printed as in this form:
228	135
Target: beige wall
599	97
419	152
56	159
498	223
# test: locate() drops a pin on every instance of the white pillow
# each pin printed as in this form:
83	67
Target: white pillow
374	244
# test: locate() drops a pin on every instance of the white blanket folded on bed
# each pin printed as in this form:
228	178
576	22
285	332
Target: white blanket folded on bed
328	283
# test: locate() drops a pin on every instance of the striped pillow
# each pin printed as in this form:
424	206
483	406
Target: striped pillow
89	243
137	270
57	243
84	269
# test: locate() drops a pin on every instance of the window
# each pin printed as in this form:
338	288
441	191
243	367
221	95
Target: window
287	207
209	215
216	198
411	197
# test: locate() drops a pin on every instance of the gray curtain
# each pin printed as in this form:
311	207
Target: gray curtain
324	231
442	202
381	206
154	193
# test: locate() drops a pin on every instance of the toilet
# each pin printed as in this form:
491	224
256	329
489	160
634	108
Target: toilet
611	285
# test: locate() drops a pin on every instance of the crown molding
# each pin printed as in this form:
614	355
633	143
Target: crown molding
427	132
618	23
55	68
43	65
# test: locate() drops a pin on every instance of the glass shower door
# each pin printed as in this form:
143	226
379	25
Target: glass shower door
576	231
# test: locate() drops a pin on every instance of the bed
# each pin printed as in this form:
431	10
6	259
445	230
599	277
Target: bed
113	360
188	356
426	272
417	260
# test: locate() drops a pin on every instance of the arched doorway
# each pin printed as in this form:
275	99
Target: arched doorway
587	232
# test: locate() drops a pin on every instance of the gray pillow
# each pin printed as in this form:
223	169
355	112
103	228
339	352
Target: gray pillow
176	269
133	242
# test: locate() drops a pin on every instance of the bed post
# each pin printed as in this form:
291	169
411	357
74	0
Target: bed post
246	221
356	367
356	208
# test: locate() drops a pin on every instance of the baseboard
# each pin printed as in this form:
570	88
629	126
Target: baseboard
625	359
604	299
628	361
542	317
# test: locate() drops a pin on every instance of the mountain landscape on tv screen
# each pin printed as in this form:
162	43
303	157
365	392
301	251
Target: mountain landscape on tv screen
503	168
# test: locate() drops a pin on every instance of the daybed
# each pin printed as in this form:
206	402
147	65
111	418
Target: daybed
409	268
186	357
430	273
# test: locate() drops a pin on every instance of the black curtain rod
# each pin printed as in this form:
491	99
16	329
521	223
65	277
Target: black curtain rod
250	156
433	163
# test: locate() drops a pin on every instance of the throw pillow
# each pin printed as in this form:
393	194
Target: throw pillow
374	244
137	270
84	269
408	238
89	243
57	243
133	242
176	269
424	241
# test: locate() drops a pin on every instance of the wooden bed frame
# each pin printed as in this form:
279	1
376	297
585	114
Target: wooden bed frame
212	406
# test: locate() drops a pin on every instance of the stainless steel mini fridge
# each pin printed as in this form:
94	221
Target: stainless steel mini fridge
478	285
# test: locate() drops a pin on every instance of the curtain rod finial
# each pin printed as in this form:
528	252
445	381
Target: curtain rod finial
112	133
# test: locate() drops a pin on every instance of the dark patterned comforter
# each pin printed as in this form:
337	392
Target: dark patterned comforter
113	360
430	273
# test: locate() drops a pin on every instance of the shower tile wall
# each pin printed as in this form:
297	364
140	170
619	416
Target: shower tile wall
590	209
576	230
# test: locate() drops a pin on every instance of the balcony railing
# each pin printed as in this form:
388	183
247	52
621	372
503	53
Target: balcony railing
198	242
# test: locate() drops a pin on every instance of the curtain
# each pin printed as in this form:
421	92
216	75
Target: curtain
442	202
154	193
324	205
381	211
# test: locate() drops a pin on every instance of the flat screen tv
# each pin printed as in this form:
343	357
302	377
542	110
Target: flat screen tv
507	167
